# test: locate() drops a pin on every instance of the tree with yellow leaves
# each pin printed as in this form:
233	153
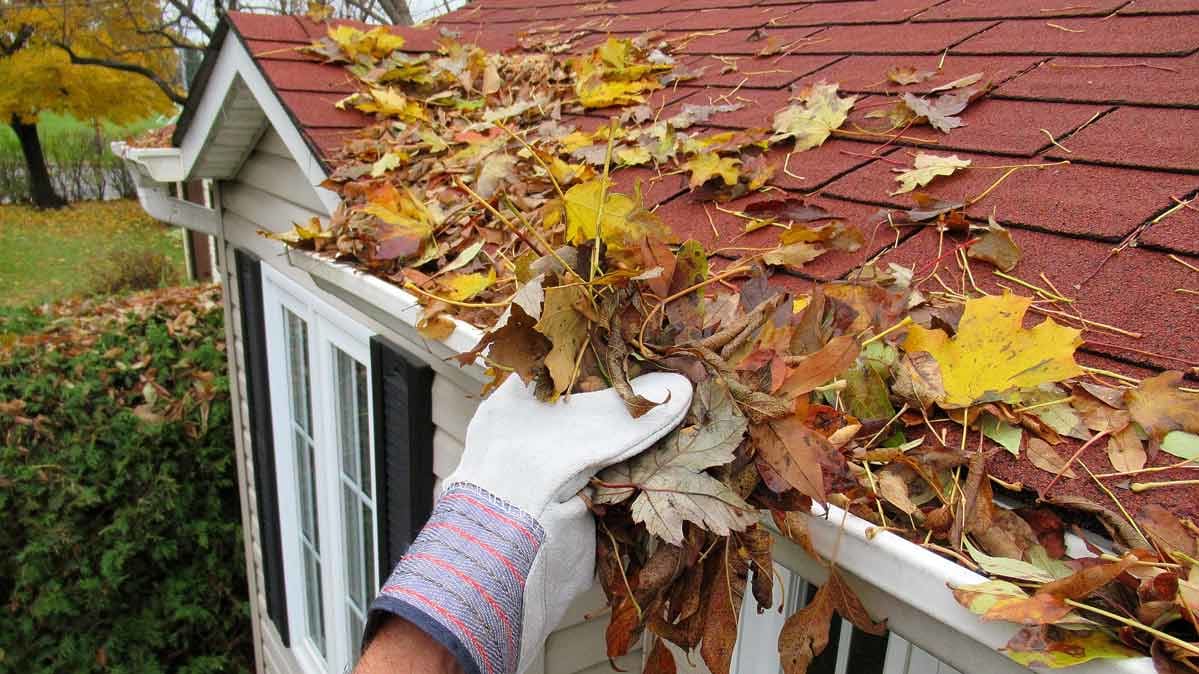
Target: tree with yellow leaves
54	58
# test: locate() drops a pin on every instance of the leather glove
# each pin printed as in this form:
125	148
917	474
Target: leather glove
509	546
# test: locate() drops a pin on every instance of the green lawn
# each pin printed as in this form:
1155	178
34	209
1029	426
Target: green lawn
51	255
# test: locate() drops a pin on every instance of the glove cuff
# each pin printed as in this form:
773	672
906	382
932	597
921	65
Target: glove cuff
463	579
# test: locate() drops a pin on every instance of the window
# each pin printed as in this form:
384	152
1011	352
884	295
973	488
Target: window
319	365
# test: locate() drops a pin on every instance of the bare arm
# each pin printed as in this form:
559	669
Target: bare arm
400	647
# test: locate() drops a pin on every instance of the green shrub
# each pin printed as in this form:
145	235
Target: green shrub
120	541
128	269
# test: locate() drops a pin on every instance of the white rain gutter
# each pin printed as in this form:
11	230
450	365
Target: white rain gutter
908	586
155	171
383	302
897	580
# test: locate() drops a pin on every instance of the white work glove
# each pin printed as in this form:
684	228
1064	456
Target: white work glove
510	545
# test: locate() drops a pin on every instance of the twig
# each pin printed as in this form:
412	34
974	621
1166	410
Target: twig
1186	646
1044	404
1072	459
620	564
1068	30
1063	148
1183	262
1181	464
1144	353
1087	321
1139	487
1109	373
1112	496
409	285
1141	64
898	326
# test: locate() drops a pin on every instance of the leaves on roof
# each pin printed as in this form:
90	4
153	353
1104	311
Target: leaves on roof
484	189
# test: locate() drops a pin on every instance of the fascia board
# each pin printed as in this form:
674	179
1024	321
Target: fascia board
234	62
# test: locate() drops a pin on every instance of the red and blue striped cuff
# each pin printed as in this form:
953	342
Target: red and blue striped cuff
463	579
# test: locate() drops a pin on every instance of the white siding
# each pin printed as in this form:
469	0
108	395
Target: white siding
270	192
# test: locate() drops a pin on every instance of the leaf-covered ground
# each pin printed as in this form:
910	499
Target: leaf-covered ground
51	255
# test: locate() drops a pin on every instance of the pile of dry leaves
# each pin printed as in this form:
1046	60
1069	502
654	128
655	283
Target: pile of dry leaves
874	394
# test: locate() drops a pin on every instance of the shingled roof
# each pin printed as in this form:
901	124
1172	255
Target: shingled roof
1109	85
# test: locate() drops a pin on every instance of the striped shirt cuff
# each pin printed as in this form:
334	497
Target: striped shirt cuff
463	579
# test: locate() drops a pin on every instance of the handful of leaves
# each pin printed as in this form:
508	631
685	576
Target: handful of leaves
473	193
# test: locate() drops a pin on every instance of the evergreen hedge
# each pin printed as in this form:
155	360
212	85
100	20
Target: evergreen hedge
120	537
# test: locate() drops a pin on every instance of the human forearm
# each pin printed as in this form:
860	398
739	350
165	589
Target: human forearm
400	647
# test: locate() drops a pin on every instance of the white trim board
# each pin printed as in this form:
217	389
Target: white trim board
234	65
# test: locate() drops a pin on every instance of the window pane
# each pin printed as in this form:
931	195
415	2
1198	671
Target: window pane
355	637
307	494
353	529
312	592
297	353
364	430
347	426
371	579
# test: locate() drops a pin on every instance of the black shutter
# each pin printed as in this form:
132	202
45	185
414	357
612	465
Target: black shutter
262	442
403	408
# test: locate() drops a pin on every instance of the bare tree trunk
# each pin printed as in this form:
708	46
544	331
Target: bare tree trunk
41	190
396	11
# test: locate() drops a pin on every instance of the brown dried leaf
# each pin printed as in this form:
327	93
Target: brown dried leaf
821	367
1125	450
805	634
723	607
795	451
660	660
1042	455
1160	407
1090	579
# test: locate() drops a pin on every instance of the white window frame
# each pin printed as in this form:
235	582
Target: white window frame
328	328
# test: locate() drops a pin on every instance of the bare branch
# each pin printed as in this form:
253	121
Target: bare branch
18	40
149	74
185	9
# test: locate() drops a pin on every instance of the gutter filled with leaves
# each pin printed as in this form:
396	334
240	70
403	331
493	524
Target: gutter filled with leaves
883	395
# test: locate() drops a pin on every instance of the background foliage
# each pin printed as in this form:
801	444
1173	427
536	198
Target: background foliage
77	154
120	548
84	248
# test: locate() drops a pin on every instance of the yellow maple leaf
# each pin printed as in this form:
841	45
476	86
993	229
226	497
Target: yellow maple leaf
391	103
992	352
820	112
706	166
583	212
401	211
925	168
465	286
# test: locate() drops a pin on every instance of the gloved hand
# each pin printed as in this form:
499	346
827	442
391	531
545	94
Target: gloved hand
509	545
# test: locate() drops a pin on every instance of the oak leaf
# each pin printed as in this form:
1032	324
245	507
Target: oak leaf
820	112
992	352
926	167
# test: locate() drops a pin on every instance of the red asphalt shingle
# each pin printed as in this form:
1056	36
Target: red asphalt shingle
1159	138
1145	81
991	125
1017	9
868	74
1135	36
1126	79
1058	198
